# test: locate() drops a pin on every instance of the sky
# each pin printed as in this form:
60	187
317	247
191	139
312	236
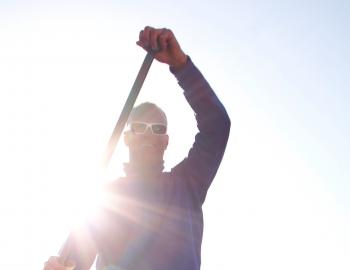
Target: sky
280	199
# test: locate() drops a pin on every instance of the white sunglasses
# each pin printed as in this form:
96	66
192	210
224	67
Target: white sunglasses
141	127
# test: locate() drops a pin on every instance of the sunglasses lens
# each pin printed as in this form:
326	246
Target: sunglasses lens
159	129
138	128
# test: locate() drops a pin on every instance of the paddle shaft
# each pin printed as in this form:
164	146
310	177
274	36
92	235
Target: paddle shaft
129	104
66	249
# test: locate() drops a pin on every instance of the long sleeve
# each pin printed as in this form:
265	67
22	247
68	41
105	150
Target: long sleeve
199	168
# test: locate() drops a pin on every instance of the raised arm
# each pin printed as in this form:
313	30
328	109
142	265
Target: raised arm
204	158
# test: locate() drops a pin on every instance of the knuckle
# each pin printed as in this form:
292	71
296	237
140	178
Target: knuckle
148	28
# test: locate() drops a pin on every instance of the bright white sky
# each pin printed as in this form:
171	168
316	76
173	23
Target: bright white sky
281	197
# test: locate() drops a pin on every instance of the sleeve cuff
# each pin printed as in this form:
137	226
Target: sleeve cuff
181	73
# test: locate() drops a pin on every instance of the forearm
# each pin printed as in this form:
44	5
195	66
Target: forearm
210	113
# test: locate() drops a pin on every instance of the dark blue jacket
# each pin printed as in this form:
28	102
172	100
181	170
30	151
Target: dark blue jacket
158	224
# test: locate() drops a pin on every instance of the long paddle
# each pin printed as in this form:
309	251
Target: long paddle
65	251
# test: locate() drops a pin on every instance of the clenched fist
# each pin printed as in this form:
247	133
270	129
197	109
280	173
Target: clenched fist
164	46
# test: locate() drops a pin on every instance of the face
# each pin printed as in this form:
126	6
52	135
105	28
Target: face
146	146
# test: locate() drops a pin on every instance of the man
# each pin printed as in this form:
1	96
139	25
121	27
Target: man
153	220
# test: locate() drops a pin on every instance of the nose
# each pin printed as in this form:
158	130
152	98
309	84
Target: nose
148	131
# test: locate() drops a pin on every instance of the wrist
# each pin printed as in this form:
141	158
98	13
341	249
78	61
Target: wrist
179	63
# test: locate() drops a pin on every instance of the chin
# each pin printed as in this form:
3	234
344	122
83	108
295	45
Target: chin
147	155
